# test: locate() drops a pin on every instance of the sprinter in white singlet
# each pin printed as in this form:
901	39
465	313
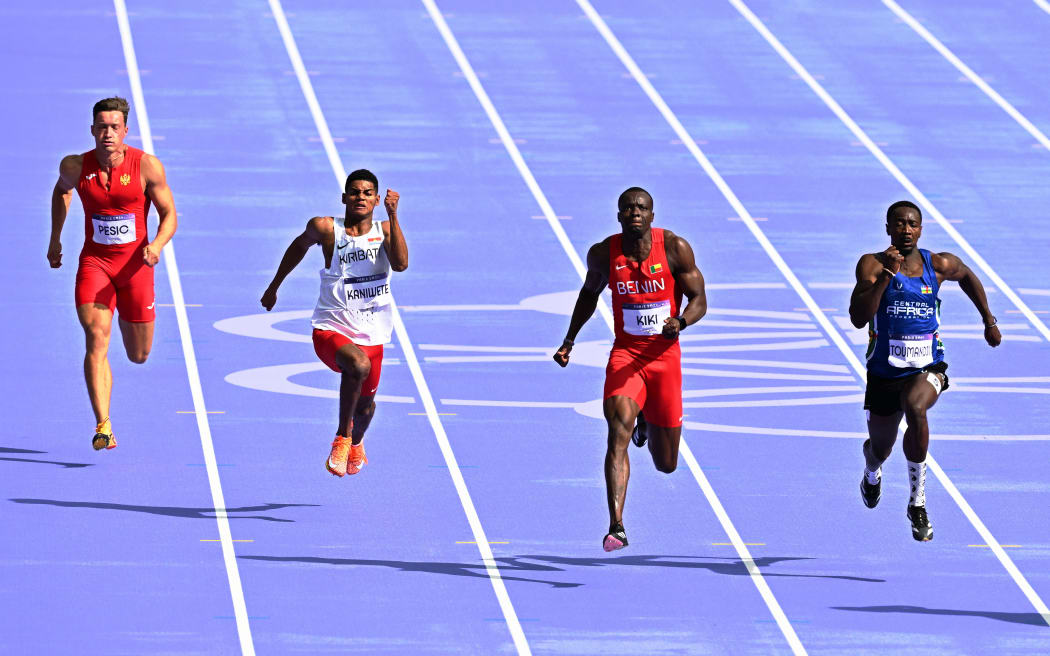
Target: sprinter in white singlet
354	313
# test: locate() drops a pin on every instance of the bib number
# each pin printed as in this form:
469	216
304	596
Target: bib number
910	351
367	292
119	229
645	318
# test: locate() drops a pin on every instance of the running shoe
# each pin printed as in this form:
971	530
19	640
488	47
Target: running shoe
921	529
641	431
336	463
357	459
104	438
870	494
615	539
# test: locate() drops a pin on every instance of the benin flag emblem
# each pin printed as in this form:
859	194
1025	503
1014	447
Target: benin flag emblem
656	268
926	289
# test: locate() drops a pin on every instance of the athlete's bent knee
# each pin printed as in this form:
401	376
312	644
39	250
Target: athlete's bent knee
138	357
666	467
356	367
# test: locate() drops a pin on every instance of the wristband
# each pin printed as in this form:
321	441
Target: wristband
681	323
994	323
892	274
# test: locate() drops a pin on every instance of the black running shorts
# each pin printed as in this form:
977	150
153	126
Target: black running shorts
882	396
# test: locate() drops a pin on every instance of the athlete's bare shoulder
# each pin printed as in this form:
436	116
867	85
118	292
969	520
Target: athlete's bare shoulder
679	252
69	170
321	226
598	255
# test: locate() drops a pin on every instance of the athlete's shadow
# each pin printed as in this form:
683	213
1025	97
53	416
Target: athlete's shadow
173	511
451	569
1034	619
64	465
724	566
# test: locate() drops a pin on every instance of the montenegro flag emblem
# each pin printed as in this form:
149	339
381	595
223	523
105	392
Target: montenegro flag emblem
125	179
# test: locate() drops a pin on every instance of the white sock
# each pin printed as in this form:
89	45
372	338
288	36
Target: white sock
917	478
873	476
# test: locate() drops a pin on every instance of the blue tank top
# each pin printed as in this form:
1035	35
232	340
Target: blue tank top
903	335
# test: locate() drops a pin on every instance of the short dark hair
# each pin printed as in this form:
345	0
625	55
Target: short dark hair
899	204
361	174
114	104
632	190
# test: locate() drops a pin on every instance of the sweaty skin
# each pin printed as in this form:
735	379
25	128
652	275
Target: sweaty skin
874	273
109	131
635	217
355	410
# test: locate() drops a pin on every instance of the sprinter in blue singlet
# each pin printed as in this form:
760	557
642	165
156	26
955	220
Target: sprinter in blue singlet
897	298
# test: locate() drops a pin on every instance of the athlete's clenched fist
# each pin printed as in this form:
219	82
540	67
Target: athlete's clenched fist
561	356
54	254
390	202
891	259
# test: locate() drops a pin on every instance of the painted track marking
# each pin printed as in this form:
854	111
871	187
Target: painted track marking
229	556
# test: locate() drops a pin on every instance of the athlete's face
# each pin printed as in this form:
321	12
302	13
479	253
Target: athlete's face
361	199
904	228
109	131
636	213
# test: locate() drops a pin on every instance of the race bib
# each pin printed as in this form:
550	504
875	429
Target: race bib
645	318
119	229
367	291
911	351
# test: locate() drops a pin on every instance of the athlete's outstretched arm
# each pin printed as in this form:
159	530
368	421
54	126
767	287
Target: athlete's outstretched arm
874	273
593	284
394	242
68	172
294	254
689	279
950	267
159	193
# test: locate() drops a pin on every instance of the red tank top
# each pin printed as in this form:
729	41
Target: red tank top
114	218
643	294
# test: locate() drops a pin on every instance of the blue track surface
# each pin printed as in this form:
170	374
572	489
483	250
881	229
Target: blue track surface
118	552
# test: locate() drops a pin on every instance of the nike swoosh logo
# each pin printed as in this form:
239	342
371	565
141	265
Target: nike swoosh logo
621	266
150	306
343	244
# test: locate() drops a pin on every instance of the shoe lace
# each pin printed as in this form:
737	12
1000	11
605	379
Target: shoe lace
357	454
919	515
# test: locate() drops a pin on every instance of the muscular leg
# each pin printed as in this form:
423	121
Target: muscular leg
366	409
620	414
663	447
97	319
918	397
355	367
138	339
882	434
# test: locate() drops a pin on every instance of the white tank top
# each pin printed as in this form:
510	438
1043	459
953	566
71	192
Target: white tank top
355	297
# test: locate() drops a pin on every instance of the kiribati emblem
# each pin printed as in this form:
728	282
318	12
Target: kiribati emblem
125	179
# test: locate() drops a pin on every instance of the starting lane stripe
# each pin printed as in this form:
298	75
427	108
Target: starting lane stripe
552	220
905	182
491	567
225	535
789	274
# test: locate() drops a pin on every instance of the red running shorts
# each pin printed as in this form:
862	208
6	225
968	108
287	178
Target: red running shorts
124	285
655	383
327	342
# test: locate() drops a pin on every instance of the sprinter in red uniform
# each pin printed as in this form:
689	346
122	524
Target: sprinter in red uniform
648	270
116	184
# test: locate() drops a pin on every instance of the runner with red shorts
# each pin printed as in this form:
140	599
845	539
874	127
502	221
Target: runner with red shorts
354	313
648	270
116	184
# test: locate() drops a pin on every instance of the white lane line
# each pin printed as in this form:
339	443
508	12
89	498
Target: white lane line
1043	4
968	72
511	146
229	556
491	565
793	280
581	270
919	197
